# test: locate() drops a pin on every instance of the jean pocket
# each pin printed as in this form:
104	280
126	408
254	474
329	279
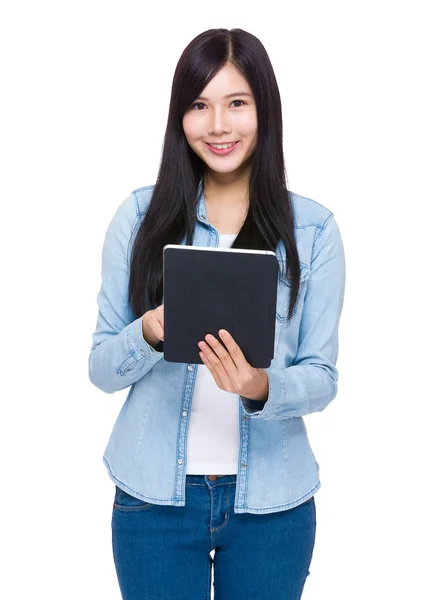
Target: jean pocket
124	501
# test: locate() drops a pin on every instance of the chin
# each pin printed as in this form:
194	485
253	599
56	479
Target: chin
221	166
224	170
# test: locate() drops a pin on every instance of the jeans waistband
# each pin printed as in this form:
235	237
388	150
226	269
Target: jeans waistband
203	478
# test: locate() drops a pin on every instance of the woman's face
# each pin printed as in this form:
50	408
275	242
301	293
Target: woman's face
213	118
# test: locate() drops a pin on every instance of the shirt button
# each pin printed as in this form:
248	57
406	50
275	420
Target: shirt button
244	466
142	352
180	461
190	368
245	418
184	413
202	216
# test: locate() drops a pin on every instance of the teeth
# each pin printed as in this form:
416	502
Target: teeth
221	146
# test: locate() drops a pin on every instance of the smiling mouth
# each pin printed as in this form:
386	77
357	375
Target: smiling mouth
220	143
222	150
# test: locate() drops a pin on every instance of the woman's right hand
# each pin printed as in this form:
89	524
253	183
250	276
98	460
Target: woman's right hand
153	326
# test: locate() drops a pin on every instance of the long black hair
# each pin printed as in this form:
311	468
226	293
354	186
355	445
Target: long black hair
171	213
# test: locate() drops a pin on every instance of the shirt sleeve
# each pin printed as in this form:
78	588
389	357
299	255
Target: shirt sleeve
310	383
119	354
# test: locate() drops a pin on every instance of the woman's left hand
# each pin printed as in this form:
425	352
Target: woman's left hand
230	369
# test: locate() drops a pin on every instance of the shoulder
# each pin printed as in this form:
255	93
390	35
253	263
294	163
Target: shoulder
308	212
142	197
128	215
131	210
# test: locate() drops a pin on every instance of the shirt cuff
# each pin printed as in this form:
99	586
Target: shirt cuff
266	409
139	348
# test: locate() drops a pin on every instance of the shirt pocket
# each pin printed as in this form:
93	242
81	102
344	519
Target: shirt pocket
284	291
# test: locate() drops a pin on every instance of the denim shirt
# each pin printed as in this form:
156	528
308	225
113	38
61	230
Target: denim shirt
146	452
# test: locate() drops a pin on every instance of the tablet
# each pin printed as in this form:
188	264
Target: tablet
206	289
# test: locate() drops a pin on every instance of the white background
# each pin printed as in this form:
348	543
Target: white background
84	104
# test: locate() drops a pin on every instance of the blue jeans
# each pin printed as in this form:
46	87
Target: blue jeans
163	552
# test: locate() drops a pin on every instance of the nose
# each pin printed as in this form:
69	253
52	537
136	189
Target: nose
219	122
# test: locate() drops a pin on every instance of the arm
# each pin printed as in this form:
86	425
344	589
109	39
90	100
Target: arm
119	355
310	383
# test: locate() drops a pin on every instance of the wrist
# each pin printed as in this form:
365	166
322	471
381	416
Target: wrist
148	336
262	392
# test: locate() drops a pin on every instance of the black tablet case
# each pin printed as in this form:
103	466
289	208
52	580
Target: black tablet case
208	289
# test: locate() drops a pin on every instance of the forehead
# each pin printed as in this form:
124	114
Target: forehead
227	81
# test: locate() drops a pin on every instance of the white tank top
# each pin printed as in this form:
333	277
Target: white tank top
213	433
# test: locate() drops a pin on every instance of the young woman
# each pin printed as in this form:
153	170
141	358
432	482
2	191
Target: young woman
215	456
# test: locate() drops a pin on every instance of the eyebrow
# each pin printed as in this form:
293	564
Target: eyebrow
228	95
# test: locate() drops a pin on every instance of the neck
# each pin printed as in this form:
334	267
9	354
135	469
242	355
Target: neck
225	190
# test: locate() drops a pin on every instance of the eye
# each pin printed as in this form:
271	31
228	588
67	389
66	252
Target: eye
201	103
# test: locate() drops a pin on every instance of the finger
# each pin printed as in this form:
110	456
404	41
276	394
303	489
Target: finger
224	356
218	360
233	349
160	328
214	365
